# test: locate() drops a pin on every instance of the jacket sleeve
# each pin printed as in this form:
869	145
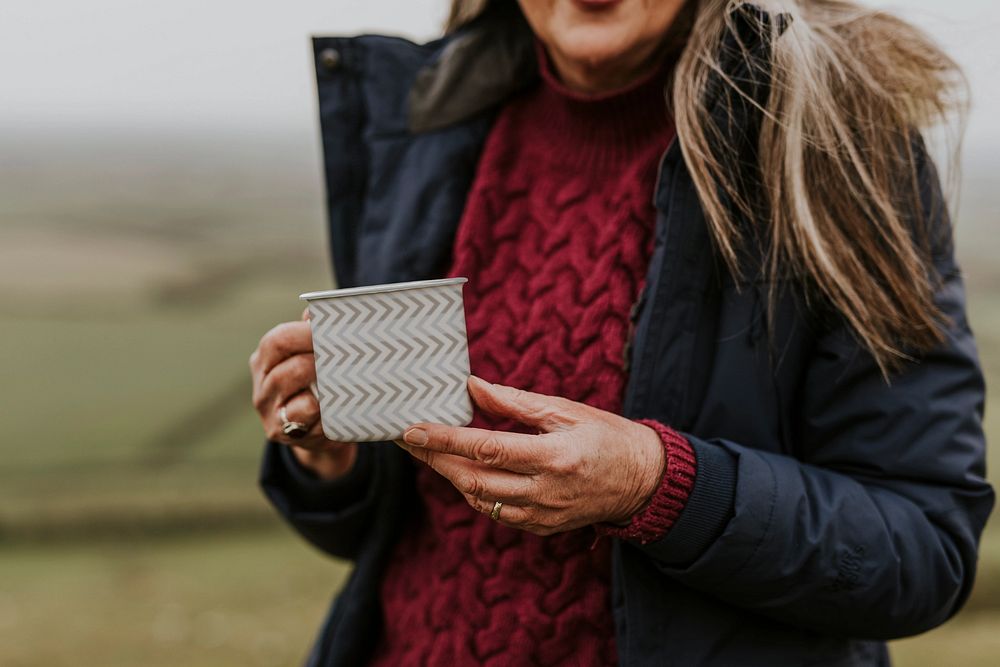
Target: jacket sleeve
871	529
332	515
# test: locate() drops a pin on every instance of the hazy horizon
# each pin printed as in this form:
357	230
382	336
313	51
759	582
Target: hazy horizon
115	66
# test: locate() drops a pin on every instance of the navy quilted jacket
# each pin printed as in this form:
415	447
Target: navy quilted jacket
832	510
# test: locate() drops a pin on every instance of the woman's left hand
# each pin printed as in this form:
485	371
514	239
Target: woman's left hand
585	466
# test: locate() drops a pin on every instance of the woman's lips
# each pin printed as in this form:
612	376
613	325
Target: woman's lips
596	4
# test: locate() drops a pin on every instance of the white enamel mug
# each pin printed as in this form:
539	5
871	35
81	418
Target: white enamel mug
388	356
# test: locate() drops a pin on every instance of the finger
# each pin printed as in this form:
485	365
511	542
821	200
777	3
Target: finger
477	480
519	452
301	408
297	411
289	377
546	413
510	514
305	315
314	440
525	518
283	341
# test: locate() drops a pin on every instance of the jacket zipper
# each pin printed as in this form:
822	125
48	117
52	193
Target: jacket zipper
633	316
632	351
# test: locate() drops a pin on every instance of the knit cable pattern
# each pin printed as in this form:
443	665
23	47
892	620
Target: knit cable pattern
555	241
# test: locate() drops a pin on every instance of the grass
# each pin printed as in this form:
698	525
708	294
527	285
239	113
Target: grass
233	599
131	528
971	641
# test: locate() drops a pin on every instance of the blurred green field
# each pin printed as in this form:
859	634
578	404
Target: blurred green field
131	528
206	601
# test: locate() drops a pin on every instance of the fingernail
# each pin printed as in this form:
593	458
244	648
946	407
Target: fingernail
416	436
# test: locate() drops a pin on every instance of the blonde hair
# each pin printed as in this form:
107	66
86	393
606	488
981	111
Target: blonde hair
835	191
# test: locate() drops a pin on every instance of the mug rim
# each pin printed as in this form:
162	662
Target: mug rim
378	289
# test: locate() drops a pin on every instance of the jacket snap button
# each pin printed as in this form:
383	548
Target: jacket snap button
330	58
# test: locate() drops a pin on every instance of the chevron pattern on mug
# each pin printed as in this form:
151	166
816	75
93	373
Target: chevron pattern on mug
388	356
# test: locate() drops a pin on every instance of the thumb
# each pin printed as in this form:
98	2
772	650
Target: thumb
546	413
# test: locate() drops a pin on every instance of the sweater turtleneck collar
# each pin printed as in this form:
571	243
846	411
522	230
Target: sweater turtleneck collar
608	127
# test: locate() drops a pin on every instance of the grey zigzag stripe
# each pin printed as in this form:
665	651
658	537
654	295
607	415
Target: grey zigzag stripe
386	360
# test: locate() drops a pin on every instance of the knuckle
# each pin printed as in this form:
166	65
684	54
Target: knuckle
449	439
311	407
530	405
565	464
289	377
490	451
567	408
429	458
520	395
270	338
279	337
471	485
557	416
308	368
298	370
270	384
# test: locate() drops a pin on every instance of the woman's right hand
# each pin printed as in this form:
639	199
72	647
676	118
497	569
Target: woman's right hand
283	369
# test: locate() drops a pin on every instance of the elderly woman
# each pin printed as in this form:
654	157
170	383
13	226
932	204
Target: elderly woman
728	401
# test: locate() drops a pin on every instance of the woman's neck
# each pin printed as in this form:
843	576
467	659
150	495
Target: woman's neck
593	78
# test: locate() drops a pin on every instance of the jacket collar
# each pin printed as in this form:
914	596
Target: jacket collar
492	57
480	66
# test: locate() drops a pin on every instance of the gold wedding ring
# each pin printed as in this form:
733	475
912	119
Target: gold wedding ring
495	514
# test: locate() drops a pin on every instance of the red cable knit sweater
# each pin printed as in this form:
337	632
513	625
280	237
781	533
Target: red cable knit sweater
555	241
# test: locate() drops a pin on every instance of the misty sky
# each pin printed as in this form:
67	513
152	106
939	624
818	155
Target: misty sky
245	65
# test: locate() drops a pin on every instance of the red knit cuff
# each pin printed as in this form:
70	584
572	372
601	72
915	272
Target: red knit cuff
653	521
